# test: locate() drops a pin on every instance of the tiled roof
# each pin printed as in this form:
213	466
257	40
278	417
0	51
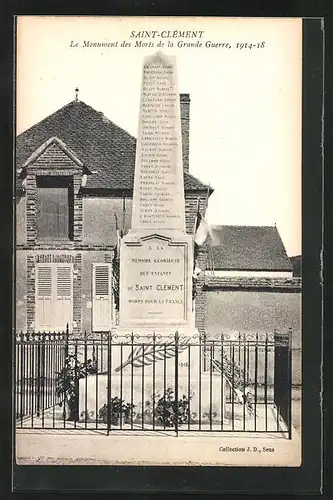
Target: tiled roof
103	147
251	248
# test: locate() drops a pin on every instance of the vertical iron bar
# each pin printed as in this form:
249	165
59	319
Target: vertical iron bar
189	385
22	384
53	372
154	347
85	381
95	361
211	384
164	380
121	387
176	380
132	379
76	375
143	387
232	347
108	408
275	392
289	346
248	364
102	353
239	348
200	355
26	378
32	381
38	388
266	378
46	372
43	378
222	384
255	381
244	382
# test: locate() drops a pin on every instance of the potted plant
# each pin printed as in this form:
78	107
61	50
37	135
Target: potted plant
67	384
119	411
169	411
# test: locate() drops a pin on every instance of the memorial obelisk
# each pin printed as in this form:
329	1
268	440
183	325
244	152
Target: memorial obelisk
156	256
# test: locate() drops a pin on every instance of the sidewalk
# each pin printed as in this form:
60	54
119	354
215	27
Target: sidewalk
93	447
76	447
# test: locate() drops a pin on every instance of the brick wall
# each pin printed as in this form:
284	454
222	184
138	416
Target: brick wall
77	294
30	293
31	193
191	207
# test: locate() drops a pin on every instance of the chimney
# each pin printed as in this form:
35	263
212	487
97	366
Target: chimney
185	127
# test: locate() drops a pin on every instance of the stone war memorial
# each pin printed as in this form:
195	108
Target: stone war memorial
152	369
157	255
156	269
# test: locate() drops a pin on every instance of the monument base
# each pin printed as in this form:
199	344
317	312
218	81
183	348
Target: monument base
206	394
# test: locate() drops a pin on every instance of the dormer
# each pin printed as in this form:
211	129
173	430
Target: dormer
53	177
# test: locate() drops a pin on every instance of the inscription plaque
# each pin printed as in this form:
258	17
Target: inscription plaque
155	282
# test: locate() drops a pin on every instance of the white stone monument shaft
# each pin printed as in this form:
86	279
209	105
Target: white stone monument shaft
158	199
156	257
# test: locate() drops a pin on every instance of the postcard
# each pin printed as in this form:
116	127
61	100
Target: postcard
158	259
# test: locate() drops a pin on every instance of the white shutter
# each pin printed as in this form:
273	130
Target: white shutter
64	297
102	301
54	297
44	306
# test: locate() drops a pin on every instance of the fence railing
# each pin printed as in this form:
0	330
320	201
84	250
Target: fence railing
154	383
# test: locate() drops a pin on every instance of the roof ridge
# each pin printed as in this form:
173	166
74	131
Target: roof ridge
243	225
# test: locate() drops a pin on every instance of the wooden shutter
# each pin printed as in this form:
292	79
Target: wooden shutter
102	300
44	306
54	297
63	297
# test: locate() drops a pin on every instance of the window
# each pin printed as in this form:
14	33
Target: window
54	208
102	299
54	297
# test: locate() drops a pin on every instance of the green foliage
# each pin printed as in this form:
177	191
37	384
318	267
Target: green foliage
67	384
118	408
169	411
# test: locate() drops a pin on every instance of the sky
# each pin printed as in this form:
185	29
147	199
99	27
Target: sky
245	115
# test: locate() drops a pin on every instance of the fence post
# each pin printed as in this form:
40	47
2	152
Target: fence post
108	408
176	380
66	340
39	339
290	381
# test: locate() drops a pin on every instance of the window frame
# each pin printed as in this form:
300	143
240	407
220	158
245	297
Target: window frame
53	182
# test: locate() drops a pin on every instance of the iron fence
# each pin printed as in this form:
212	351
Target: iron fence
154	383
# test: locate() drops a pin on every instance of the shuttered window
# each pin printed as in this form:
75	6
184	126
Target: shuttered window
44	298
54	297
102	297
54	208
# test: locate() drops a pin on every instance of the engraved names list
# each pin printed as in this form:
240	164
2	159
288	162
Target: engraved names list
158	199
156	254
